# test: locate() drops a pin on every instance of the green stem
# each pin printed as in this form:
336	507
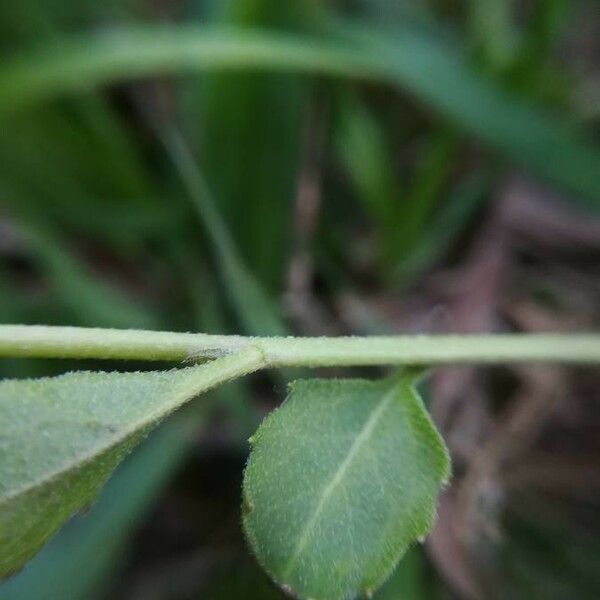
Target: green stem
79	342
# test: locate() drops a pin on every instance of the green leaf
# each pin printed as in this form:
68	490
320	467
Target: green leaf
255	309
265	112
367	156
80	557
61	437
433	70
430	179
90	299
341	479
450	222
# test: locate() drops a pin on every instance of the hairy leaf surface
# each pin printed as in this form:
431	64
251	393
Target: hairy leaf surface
61	437
81	555
341	479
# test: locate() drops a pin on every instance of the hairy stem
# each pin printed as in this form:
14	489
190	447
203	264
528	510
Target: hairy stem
79	342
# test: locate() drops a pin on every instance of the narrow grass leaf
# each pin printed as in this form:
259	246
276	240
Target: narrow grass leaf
450	222
366	154
90	299
423	196
430	68
258	314
246	117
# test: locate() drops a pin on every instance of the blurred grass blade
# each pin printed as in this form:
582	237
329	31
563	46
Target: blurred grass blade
69	162
439	75
412	217
493	32
451	221
91	300
430	68
251	303
244	118
401	216
366	155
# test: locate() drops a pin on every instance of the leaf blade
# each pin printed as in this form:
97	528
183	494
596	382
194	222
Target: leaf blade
436	72
61	438
341	479
82	554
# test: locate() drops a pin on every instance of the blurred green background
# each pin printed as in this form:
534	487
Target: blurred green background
436	169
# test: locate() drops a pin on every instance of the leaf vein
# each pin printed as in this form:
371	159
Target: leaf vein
361	439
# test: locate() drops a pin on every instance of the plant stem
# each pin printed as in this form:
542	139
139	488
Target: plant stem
78	342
